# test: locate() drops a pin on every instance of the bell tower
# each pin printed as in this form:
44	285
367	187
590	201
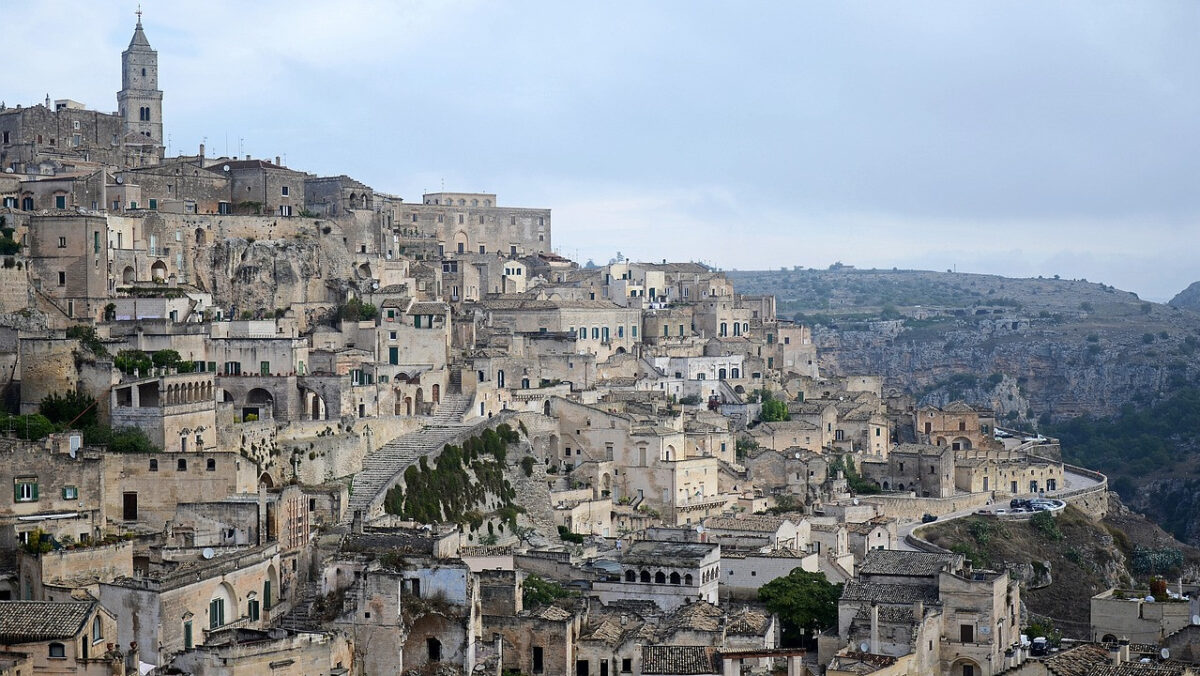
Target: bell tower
140	99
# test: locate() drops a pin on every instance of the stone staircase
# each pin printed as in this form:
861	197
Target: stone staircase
300	617
451	410
380	467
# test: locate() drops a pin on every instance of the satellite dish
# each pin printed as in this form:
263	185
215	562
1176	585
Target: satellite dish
208	553
225	168
1165	652
854	501
700	529
1195	619
864	647
120	180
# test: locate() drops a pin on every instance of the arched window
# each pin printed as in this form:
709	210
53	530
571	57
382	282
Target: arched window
675	579
58	650
645	576
97	630
630	576
687	579
660	577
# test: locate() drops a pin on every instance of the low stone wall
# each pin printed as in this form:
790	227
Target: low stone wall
912	508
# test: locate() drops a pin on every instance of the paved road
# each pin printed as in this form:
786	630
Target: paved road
1071	480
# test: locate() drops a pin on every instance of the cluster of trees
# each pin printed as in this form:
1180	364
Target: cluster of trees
806	604
75	410
127	361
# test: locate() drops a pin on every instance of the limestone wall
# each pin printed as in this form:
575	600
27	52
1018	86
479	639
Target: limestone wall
912	509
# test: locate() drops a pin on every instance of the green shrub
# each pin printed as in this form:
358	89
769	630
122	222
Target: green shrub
76	408
130	360
1045	524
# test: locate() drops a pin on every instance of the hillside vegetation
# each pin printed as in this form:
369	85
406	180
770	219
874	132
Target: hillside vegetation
1062	562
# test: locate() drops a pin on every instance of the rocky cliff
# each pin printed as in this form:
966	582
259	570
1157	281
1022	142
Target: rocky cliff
1188	299
250	275
1027	347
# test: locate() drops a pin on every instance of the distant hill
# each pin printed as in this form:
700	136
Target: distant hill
1188	299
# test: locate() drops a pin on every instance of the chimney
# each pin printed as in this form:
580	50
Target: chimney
874	628
356	523
247	156
1114	655
1123	645
277	162
201	153
919	611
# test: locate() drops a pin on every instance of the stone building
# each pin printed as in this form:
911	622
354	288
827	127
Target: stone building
957	425
475	223
671	574
70	637
941	617
173	608
177	411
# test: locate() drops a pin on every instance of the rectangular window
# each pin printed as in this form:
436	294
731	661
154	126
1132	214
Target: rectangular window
264	368
393	355
187	635
62	242
284	191
62	279
626	665
96	241
216	613
252	607
70	492
966	633
25	490
153	203
538	660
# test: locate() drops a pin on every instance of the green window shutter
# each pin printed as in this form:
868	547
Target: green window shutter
35	491
393	355
16	492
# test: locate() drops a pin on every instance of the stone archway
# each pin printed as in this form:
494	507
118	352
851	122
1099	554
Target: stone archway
127	275
158	271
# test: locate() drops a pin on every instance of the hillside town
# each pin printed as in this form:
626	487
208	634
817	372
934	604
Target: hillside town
264	421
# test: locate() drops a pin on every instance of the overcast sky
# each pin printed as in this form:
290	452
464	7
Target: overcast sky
1018	138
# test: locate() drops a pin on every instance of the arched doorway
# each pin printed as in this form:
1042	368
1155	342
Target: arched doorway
420	399
408	406
436	391
200	236
259	403
965	667
546	408
158	271
721	374
127	275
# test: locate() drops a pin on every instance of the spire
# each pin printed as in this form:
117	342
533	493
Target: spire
139	38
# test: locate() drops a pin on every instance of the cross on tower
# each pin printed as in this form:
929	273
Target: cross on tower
139	14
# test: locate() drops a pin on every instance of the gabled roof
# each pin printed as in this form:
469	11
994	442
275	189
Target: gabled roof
33	621
856	590
897	562
680	660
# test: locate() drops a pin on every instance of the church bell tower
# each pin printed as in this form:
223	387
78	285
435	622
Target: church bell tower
140	99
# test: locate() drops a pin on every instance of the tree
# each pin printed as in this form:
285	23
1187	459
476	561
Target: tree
167	358
129	360
76	408
536	591
774	410
805	602
356	310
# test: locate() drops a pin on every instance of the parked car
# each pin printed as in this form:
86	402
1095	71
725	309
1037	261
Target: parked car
1000	511
928	518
